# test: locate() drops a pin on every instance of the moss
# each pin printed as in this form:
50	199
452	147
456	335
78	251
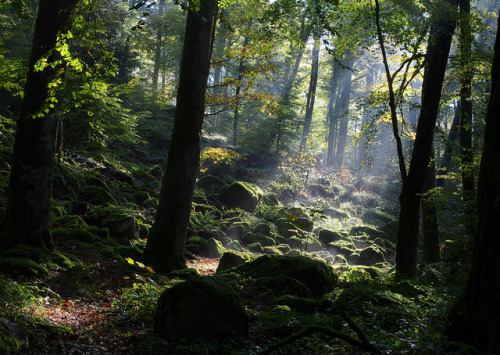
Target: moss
99	196
151	202
156	171
96	181
241	194
255	247
185	274
300	304
141	196
64	235
275	286
9	344
271	251
73	221
210	183
212	249
259	238
372	233
235	245
326	236
22	267
231	259
131	251
284	248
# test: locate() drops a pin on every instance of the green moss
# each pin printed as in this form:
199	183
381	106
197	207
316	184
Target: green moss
241	194
73	221
185	274
22	267
235	245
259	238
231	259
255	247
300	304
65	235
212	249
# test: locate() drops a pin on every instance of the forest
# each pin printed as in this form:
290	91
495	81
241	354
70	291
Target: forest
249	177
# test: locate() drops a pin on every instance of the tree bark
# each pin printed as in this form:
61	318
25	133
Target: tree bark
165	247
343	101
466	153
440	37
157	62
448	150
30	190
236	115
475	318
331	118
430	227
311	95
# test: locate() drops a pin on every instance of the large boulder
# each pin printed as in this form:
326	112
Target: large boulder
326	236
210	183
203	307
231	259
316	275
241	194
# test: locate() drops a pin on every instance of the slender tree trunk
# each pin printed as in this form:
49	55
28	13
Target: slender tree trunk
236	115
158	47
466	153
344	100
287	90
475	318
331	119
311	95
364	144
30	190
440	37
165	247
448	150
430	228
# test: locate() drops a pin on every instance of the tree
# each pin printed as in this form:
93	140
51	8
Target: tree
29	195
475	318
165	247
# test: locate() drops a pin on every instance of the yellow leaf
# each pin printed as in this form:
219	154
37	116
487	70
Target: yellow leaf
130	261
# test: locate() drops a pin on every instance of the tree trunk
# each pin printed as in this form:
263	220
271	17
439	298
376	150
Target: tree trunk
344	100
448	150
331	118
156	68
475	318
364	148
30	190
311	95
430	228
440	37
236	116
466	153
165	247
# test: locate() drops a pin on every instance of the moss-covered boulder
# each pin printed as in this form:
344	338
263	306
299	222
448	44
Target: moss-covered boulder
335	213
271	200
212	249
265	289
372	233
300	304
370	256
326	236
97	195
122	227
235	245
231	259
210	183
241	194
391	230
10	339
255	247
316	275
263	239
376	217
203	307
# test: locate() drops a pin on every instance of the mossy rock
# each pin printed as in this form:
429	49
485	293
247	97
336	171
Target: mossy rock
273	287
122	227
271	200
284	248
156	171
151	202
345	246
326	236
263	239
210	183
284	225
195	243
235	245
407	289
10	340
212	249
62	235
97	195
141	196
231	259
370	256
376	217
129	251
241	194
208	210
185	274
316	275
202	307
255	247
336	213
22	267
236	231
372	233
271	251
391	230
300	304
96	181
264	228
70	221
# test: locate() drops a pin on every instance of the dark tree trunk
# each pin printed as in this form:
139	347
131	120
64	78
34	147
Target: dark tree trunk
430	228
311	95
236	116
165	248
157	62
448	151
364	143
475	318
466	153
441	34
29	196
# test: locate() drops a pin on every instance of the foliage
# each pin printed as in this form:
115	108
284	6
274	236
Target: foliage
214	156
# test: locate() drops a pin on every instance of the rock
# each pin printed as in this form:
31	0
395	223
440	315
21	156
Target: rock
275	287
326	236
10	339
316	190
264	228
241	194
231	259
235	245
212	249
391	230
122	227
271	200
287	195
376	217
236	231
371	255
255	247
204	307
300	304
372	233
210	183
284	248
259	238
335	213
316	275
185	274
98	196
